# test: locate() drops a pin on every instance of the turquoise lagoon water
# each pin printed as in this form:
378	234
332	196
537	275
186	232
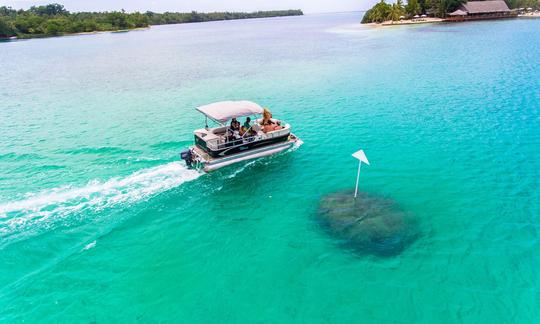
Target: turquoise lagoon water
100	222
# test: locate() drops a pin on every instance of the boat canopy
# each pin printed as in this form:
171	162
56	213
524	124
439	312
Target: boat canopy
225	110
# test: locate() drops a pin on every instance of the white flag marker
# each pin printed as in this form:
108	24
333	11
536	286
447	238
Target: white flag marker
361	156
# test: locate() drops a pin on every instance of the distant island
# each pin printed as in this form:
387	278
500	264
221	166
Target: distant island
449	10
55	20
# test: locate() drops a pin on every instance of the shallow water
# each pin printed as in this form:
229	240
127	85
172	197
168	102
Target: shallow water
366	224
100	222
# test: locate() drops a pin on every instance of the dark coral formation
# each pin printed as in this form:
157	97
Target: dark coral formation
367	224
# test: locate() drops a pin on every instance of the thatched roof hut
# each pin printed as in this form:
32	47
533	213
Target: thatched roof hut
483	7
475	10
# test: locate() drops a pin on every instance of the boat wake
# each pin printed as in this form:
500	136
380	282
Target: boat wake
296	145
248	164
56	204
89	245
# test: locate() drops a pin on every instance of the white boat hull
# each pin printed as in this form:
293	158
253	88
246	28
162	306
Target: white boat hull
208	164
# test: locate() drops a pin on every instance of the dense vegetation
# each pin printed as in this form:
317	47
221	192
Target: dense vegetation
180	18
513	4
54	19
383	11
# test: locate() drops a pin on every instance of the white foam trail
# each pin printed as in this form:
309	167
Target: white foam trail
95	195
296	145
89	245
237	171
293	148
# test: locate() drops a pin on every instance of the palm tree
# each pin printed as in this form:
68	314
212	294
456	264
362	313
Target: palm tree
395	12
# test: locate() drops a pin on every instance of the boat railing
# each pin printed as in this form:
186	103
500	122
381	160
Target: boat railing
278	133
217	144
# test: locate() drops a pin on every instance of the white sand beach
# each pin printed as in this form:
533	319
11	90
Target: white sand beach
427	20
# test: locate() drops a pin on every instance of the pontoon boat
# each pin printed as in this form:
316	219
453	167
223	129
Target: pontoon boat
223	145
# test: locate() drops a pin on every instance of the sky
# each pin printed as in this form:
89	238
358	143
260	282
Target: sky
308	6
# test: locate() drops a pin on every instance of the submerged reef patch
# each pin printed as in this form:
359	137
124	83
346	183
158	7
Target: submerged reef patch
368	224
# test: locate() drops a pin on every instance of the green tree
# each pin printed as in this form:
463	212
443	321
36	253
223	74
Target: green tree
49	10
29	24
379	13
118	20
7	11
54	19
443	7
6	28
56	26
396	11
413	8
137	20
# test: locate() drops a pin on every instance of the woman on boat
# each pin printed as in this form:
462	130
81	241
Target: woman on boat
267	123
267	117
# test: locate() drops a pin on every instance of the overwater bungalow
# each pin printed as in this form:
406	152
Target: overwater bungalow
480	10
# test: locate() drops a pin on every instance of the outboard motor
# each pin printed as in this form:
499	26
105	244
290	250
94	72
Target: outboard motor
188	157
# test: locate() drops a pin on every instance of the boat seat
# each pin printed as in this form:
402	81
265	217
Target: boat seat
220	130
256	128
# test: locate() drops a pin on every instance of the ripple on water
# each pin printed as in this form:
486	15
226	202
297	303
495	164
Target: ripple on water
98	150
20	156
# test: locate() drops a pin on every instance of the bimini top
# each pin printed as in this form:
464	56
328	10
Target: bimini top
225	110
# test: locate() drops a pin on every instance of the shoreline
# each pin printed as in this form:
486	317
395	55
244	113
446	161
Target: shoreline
418	21
76	34
530	15
34	36
434	20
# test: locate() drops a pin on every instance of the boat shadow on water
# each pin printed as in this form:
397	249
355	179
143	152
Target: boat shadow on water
367	225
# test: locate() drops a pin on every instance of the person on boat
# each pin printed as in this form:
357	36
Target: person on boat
233	128
235	125
267	117
268	124
246	127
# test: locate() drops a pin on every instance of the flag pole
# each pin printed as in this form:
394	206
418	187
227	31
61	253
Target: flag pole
357	178
361	156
